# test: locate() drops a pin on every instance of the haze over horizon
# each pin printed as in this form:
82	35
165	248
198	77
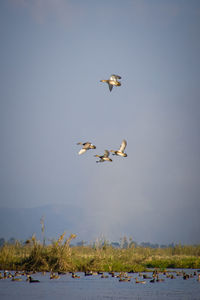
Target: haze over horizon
53	55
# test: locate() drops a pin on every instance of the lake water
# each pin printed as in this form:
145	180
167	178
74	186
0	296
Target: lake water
95	287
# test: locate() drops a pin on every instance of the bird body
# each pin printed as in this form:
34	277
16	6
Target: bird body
30	279
124	279
104	157
16	279
75	275
54	276
86	146
112	81
139	281
120	152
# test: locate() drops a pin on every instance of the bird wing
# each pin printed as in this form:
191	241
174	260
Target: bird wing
115	77
106	153
110	87
123	146
82	151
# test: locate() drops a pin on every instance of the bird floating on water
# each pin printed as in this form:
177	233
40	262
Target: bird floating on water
86	146
104	157
54	276
16	278
75	275
112	81
139	281
30	279
120	152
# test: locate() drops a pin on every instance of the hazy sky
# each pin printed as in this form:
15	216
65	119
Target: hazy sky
53	54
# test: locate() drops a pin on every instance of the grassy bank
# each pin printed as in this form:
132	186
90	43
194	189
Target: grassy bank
60	256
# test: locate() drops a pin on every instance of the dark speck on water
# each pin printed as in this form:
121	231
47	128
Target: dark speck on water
107	287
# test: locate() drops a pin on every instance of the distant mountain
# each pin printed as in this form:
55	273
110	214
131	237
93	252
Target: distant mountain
21	223
87	223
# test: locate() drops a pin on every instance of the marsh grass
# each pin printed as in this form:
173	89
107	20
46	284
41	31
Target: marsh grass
60	256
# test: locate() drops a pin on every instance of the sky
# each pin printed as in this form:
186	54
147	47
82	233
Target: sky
53	54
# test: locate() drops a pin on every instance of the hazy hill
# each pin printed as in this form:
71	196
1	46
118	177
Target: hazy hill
21	223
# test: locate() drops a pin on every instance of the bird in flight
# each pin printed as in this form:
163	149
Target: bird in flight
112	81
86	146
104	157
120	152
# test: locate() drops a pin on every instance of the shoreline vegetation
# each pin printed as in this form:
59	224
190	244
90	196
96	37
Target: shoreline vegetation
60	256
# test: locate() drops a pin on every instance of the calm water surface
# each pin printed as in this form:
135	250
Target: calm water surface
95	287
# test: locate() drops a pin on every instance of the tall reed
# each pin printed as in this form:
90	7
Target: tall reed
61	256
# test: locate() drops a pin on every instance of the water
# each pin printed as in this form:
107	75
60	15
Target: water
95	287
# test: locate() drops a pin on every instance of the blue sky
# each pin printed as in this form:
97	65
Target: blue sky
53	55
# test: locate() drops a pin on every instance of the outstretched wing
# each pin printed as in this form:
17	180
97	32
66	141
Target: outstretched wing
115	77
82	151
123	146
106	153
110	87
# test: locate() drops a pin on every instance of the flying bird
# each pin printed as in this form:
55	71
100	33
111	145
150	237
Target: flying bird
86	146
104	157
120	152
112	81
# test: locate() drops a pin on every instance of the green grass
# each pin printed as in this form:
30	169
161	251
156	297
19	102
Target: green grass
60	256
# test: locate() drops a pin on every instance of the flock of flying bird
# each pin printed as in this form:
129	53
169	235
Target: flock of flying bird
112	81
